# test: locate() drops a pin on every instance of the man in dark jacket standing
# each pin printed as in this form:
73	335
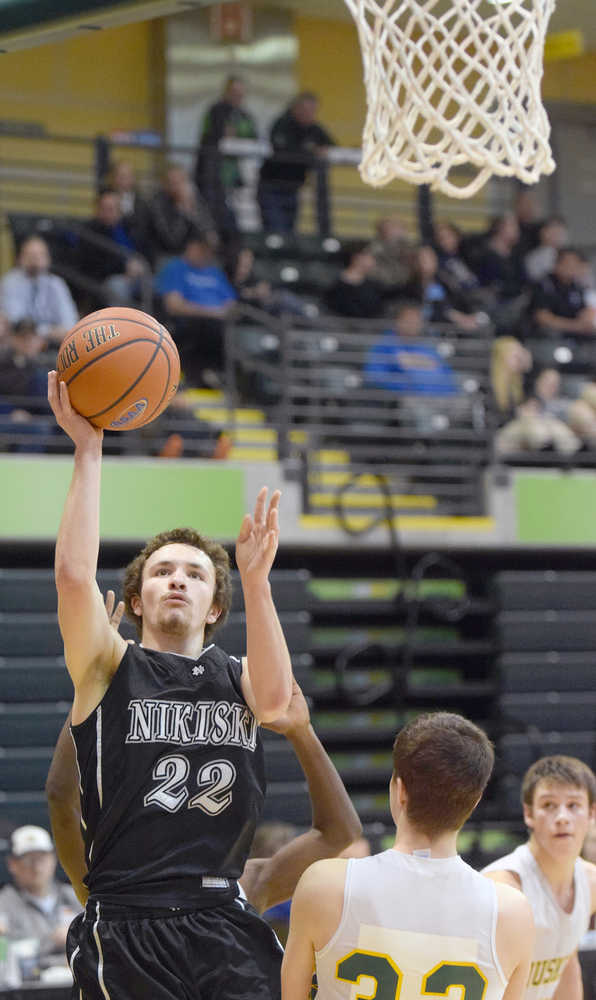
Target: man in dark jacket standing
297	140
217	175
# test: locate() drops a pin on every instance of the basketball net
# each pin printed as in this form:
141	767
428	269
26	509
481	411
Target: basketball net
452	82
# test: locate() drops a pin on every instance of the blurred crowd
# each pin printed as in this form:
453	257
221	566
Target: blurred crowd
179	253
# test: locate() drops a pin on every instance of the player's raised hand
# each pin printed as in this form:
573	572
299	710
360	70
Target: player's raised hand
80	430
296	716
258	538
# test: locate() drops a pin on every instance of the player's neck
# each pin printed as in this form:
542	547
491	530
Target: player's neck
410	841
165	642
559	872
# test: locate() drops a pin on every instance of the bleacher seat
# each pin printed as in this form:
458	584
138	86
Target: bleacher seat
545	591
521	673
550	710
521	631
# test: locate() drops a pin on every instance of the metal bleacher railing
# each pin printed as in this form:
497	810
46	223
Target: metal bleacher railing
310	373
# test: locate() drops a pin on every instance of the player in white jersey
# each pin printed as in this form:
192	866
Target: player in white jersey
558	795
416	920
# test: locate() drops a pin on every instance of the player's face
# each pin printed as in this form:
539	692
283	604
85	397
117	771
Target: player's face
559	817
177	590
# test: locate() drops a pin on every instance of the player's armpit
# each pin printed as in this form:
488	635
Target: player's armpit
62	792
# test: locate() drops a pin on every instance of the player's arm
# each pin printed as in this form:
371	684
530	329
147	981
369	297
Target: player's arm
514	938
266	669
315	915
335	823
571	984
62	791
91	647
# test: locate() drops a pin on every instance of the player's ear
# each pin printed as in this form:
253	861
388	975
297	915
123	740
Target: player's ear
213	615
136	605
528	818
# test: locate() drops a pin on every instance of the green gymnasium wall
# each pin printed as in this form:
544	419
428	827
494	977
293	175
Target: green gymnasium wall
139	497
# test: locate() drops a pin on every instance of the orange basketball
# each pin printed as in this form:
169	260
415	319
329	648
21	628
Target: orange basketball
121	367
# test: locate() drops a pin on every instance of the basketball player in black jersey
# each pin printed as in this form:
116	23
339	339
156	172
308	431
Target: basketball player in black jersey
264	881
170	761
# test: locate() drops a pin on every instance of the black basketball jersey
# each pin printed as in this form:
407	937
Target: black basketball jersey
172	777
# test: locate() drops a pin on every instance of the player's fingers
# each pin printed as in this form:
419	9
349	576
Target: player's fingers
64	397
273	518
118	613
110	599
245	528
260	506
53	388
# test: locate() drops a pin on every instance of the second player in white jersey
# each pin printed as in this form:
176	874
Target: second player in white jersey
558	932
558	796
415	921
441	933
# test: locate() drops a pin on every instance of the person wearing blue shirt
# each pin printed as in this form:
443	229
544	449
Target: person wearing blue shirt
197	297
400	363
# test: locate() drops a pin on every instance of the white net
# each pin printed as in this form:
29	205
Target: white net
452	82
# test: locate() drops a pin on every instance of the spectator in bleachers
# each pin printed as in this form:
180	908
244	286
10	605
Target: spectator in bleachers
134	207
22	374
197	297
355	293
415	371
541	261
177	212
217	175
454	273
538	422
559	302
35	907
391	249
425	287
528	219
30	291
498	267
113	259
510	364
298	142
261	294
582	415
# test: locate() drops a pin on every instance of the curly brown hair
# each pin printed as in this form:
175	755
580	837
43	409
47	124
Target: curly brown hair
222	595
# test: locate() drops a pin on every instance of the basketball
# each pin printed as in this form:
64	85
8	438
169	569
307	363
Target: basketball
121	367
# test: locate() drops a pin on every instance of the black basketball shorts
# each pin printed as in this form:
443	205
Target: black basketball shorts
227	952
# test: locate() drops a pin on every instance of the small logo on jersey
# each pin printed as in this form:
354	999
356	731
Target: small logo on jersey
131	413
198	669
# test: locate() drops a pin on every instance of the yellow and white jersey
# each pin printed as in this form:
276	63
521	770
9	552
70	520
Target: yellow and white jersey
413	926
557	933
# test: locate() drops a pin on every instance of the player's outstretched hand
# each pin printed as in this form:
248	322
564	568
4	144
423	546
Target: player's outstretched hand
80	430
296	716
258	538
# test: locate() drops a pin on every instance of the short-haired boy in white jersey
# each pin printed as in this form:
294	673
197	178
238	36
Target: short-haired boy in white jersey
558	796
415	920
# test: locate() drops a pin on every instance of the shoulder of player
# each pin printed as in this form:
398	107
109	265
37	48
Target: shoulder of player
323	877
504	876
